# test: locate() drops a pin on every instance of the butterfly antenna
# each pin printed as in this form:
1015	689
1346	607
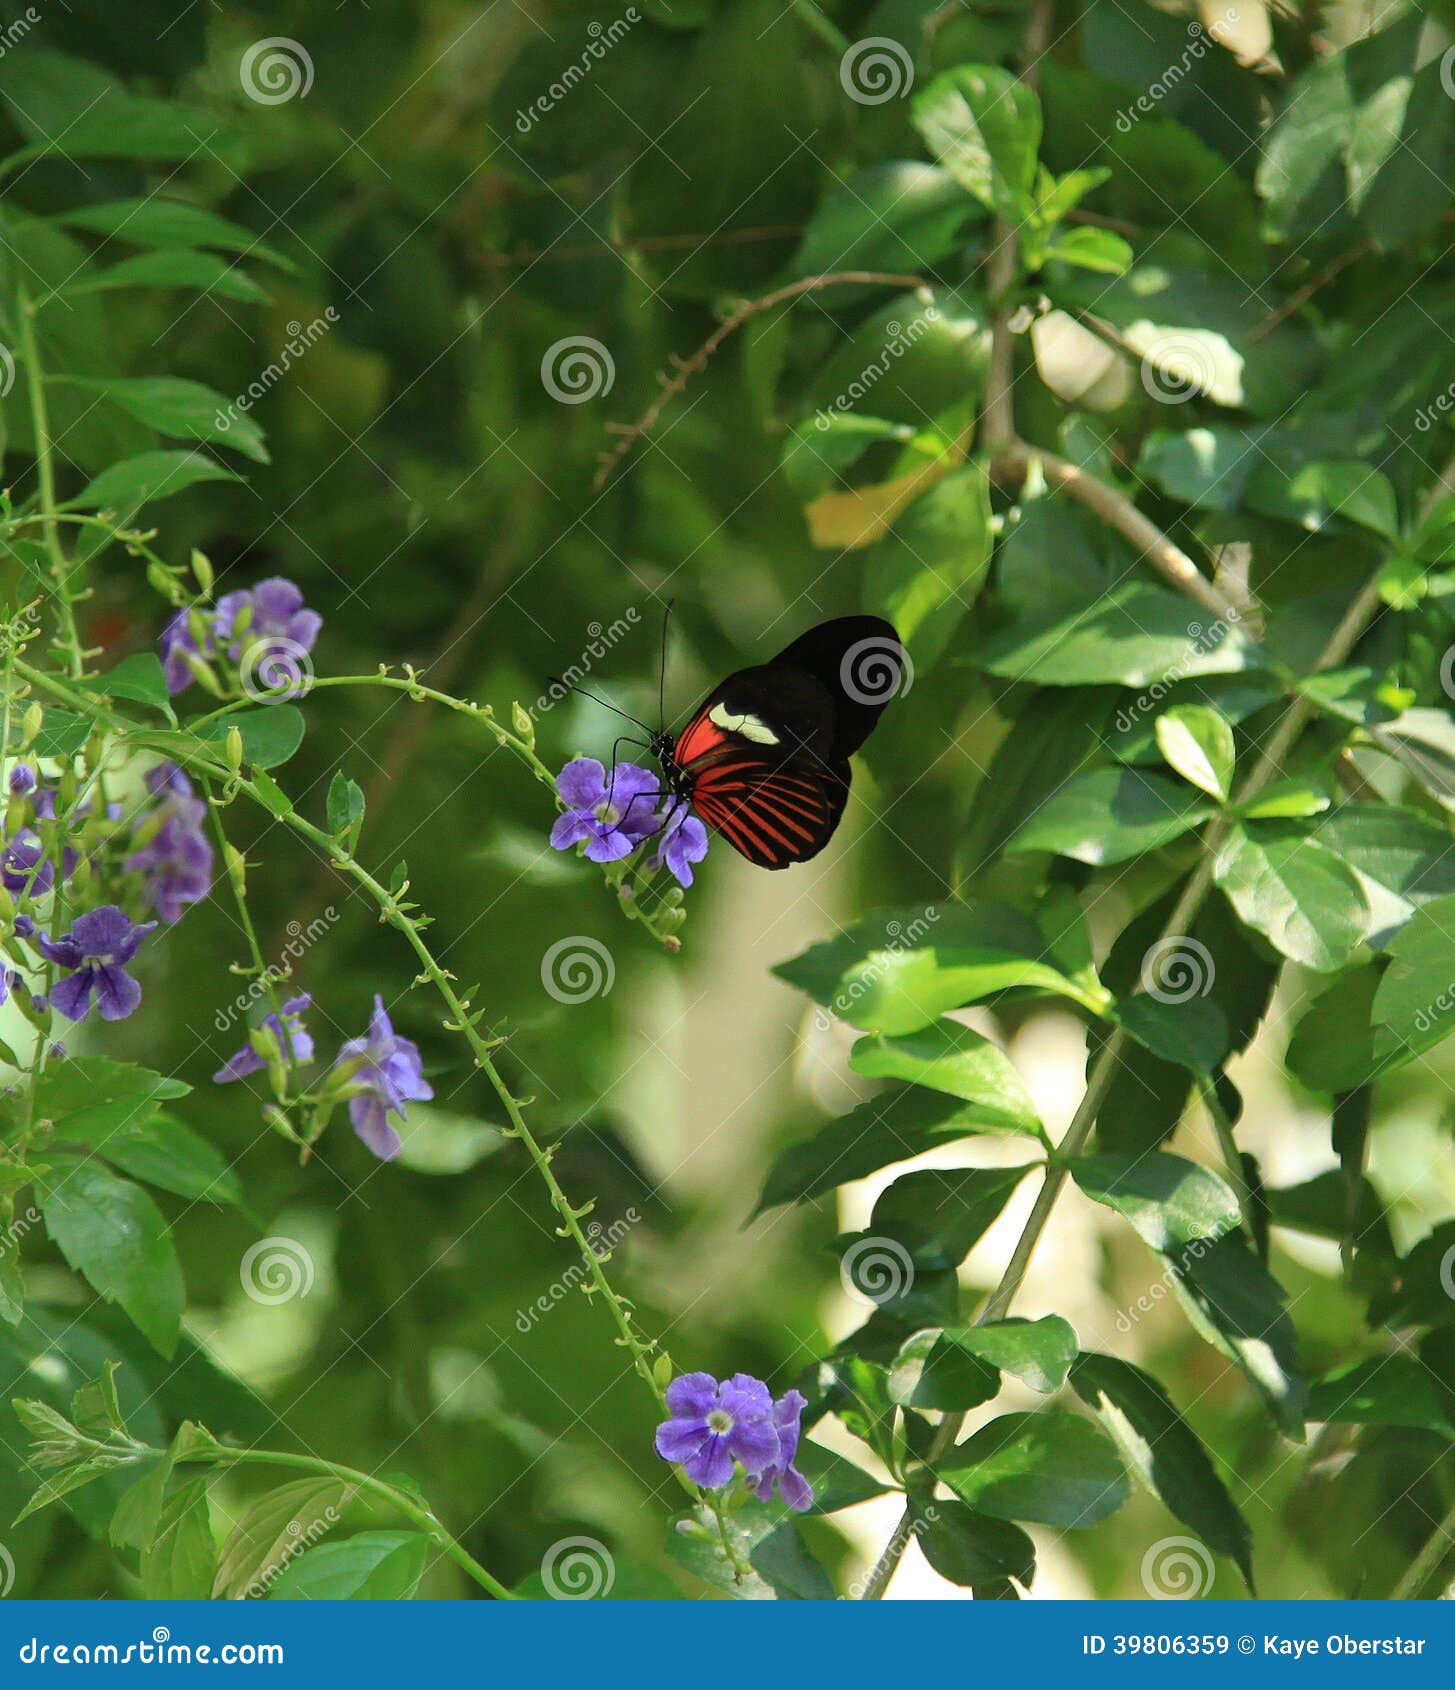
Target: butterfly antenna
570	686
662	677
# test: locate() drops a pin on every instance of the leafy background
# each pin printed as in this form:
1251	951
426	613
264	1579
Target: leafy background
1241	322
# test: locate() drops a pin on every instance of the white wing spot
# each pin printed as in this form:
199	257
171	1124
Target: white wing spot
746	726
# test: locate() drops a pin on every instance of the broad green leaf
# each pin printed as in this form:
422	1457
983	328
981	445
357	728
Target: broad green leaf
983	124
136	677
1170	1201
1052	1467
940	1214
437	1141
1198	742
1424	742
969	1548
886	1129
1392	1390
1093	249
269	1531
111	1232
164	1152
837	1482
345	808
270	734
138	481
1111	814
950	1058
1336	1046
168	223
899	970
137	1516
1136	634
1294	891
781	1567
1414	1005
1037	1352
370	1566
180	409
178	1565
902	216
1190	1030
1164	1453
1401	858
933	1371
183	268
88	1097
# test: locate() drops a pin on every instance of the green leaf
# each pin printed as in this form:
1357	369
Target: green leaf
137	1516
899	970
930	1366
1299	895
781	1567
87	1097
370	1566
1393	1390
178	269
180	409
932	1370
1198	742
1135	634
939	1214
1052	1467
138	481
1424	742
902	216
983	124
1190	1030
1401	859
168	223
269	1531
178	1565
271	733
110	1231
345	808
136	677
882	1131
1414	1004
1093	249
437	1141
1169	1200
950	1058
969	1548
164	1152
1164	1453
1111	814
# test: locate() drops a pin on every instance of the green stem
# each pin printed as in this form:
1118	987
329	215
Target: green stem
1424	1566
45	473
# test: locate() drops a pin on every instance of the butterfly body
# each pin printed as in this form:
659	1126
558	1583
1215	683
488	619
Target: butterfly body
764	759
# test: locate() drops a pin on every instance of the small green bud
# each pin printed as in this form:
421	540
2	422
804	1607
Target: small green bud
202	569
524	726
30	725
233	748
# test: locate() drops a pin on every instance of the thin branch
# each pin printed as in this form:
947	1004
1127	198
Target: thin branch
629	433
1301	296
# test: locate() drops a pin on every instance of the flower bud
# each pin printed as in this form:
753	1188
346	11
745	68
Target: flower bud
30	725
233	747
202	569
524	726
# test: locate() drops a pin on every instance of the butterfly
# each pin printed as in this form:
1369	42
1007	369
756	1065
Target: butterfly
764	759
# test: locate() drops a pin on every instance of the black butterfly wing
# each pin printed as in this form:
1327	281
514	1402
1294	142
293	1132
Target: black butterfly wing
767	753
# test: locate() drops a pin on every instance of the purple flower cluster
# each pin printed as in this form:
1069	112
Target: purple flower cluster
612	815
272	615
173	852
378	1074
713	1426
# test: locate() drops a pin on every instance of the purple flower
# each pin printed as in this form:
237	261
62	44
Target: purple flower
712	1425
176	644
22	780
176	858
96	951
792	1486
389	1075
289	1033
610	822
24	866
277	612
683	842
